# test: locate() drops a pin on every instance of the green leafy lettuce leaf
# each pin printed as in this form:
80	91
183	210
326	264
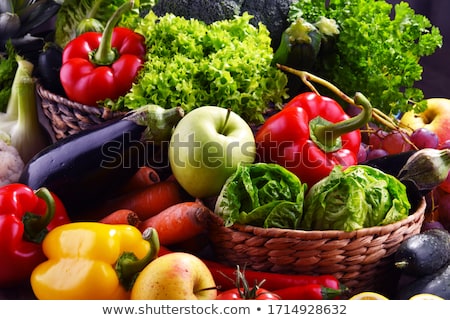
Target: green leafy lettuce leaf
190	63
355	198
263	195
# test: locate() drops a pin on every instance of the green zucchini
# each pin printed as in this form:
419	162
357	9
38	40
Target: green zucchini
437	283
299	47
423	253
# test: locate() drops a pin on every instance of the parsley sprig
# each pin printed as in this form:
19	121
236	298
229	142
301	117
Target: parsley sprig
378	50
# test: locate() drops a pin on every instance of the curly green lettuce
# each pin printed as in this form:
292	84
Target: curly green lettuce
189	64
355	198
263	195
378	50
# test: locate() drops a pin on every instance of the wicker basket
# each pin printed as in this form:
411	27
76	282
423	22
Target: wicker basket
67	117
361	260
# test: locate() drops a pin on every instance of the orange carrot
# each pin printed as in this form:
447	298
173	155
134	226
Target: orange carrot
179	222
144	177
145	202
122	216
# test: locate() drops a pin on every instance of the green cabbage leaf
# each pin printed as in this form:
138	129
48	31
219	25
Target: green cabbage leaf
263	195
355	198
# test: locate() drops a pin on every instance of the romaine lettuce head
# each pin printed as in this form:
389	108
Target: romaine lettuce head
357	197
263	195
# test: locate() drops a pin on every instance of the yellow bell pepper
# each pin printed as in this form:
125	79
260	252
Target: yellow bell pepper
92	260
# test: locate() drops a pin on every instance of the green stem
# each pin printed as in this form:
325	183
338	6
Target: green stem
106	55
330	293
224	125
36	225
158	121
327	133
306	77
128	265
90	23
94	9
245	290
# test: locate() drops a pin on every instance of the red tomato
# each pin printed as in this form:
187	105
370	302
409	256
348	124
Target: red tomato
249	294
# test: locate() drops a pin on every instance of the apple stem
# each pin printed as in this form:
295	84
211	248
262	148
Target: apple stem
128	265
222	129
205	289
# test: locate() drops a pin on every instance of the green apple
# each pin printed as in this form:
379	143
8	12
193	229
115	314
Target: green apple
206	147
175	276
436	118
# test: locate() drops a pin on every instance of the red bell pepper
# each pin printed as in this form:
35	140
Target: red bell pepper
25	218
311	135
98	66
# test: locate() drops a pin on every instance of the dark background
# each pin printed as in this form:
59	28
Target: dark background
436	75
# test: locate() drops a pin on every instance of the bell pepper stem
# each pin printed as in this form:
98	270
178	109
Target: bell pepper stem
36	225
105	55
307	77
327	133
128	265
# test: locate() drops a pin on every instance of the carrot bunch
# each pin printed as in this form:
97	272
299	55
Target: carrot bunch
146	201
145	194
179	222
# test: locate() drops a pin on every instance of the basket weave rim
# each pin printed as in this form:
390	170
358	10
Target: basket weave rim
97	110
326	234
60	99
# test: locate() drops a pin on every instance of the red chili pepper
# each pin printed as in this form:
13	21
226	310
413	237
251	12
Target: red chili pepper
272	281
311	135
98	66
311	291
224	274
25	218
243	289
